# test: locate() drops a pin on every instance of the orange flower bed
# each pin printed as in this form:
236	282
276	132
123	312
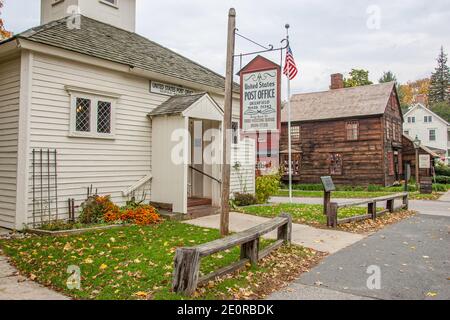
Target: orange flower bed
142	215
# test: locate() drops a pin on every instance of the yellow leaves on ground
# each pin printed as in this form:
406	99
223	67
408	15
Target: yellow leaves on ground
103	266
88	261
67	247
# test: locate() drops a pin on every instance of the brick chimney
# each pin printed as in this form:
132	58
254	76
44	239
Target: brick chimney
422	99
337	81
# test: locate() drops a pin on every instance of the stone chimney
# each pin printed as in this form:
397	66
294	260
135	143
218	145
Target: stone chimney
337	81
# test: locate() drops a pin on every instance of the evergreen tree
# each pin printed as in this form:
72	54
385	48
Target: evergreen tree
388	77
440	81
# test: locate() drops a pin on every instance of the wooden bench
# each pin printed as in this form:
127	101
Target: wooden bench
187	260
333	209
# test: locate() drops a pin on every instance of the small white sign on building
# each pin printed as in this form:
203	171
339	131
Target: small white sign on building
169	89
424	161
260	97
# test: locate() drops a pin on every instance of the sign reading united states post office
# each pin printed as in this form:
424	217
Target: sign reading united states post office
260	101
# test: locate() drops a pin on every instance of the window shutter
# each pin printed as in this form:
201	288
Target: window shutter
400	163
391	163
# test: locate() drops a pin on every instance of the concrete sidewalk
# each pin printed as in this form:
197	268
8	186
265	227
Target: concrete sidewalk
323	240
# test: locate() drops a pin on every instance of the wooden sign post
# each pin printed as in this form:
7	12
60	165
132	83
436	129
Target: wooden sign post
328	187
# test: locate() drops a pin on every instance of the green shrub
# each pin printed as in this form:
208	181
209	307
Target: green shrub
266	186
437	187
244	199
374	188
443	170
443	179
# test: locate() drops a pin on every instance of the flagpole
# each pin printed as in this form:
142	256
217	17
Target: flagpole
289	124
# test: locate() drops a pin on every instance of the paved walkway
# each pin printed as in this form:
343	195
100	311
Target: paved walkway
318	239
440	207
413	257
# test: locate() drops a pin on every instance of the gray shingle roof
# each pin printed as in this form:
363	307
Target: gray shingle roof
107	42
176	105
340	103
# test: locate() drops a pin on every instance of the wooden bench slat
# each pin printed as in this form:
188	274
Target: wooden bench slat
210	248
372	200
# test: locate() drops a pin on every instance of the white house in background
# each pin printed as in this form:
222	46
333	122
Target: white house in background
431	129
108	101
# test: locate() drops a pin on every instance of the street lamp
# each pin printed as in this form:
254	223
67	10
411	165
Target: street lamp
417	143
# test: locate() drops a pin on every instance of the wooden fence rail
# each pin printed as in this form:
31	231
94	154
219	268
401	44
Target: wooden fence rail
187	260
332	209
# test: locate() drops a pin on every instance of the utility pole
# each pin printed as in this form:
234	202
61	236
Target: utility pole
226	127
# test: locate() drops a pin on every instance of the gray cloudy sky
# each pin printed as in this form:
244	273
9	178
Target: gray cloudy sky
326	36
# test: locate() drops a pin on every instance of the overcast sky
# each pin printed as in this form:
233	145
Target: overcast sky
326	36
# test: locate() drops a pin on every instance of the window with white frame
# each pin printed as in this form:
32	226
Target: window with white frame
427	119
92	115
432	133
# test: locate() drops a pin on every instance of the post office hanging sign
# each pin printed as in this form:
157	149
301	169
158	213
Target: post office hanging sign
260	100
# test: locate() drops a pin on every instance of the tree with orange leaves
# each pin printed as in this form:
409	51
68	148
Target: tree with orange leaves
3	33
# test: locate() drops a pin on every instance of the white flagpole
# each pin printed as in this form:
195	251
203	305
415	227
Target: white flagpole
289	124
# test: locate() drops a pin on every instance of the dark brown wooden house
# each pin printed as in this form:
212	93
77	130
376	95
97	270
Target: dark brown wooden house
352	134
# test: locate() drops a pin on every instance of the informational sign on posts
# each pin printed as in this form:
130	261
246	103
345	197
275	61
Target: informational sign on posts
260	101
424	161
328	184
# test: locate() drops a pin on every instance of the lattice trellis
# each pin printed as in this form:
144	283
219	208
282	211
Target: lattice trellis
104	117
83	118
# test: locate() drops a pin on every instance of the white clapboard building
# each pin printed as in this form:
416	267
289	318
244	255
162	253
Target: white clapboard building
85	101
431	129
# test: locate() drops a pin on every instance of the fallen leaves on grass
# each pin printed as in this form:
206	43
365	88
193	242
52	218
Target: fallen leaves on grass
275	272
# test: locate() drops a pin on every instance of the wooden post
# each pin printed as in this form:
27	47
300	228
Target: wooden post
187	265
226	127
332	215
250	250
326	202
390	205
285	232
417	169
406	201
372	209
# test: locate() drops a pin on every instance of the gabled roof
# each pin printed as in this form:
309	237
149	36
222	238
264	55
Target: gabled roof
101	40
340	103
419	105
424	148
176	105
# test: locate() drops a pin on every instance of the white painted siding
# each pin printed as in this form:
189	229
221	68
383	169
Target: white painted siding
421	129
9	118
109	165
243	179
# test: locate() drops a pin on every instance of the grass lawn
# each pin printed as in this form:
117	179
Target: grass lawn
301	213
136	262
355	194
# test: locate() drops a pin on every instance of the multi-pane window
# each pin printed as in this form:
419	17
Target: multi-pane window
428	119
432	135
411	119
83	115
388	129
407	133
295	133
92	116
103	117
336	164
352	130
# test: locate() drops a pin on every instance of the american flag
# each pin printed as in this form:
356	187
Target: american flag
290	68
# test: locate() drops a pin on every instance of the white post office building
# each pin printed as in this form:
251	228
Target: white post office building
85	101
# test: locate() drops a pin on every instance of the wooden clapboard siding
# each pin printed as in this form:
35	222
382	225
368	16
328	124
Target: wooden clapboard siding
109	165
243	180
9	122
364	161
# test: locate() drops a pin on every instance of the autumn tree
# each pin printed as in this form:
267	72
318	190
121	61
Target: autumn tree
3	33
388	77
358	77
440	81
411	91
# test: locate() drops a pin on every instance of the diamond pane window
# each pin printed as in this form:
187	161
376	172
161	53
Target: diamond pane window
83	118
104	117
